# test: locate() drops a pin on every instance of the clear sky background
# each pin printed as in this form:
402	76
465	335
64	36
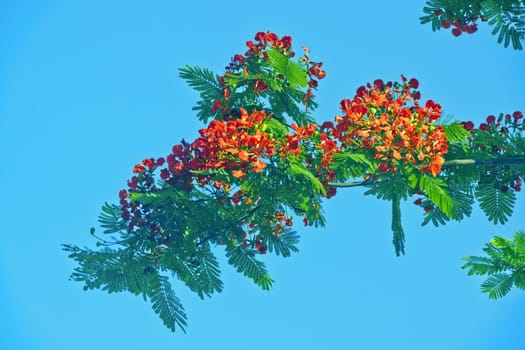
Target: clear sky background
89	88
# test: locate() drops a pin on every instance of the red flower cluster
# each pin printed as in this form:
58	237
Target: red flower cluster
237	146
263	40
460	28
501	124
464	24
387	120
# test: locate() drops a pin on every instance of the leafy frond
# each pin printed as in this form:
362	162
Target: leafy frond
244	260
456	133
294	72
505	265
166	304
480	265
497	285
437	191
199	270
207	84
397	227
283	244
497	205
463	201
110	270
111	219
508	19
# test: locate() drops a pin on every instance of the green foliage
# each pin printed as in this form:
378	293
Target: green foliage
437	191
294	72
244	260
110	219
207	84
167	305
199	271
397	227
507	17
504	265
495	203
122	270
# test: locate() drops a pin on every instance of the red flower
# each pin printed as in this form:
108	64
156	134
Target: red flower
150	162
517	115
484	126
327	125
414	83
216	105
160	161
378	84
491	119
260	86
456	31
238	59
418	201
164	174
468	125
383	167
428	208
139	168
123	194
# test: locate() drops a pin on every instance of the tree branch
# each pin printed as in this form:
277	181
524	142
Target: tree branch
448	163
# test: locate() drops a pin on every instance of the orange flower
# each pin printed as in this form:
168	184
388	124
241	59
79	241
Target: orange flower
238	174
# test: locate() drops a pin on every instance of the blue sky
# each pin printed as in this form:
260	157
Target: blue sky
88	89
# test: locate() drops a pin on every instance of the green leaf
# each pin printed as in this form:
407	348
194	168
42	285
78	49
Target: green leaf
284	244
497	285
480	265
437	191
244	260
111	218
166	304
496	204
397	228
519	279
294	72
456	133
199	271
297	169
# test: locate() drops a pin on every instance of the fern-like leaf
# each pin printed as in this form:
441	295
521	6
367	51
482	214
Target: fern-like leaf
111	219
283	244
497	285
244	260
497	205
437	191
166	304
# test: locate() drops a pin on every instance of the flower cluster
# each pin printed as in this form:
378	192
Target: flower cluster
466	24
137	214
248	66
499	128
387	120
237	146
268	39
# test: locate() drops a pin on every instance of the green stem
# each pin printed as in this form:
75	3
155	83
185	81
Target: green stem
489	161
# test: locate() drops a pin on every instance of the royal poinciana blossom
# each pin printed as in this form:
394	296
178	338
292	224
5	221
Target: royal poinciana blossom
262	162
387	120
507	17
